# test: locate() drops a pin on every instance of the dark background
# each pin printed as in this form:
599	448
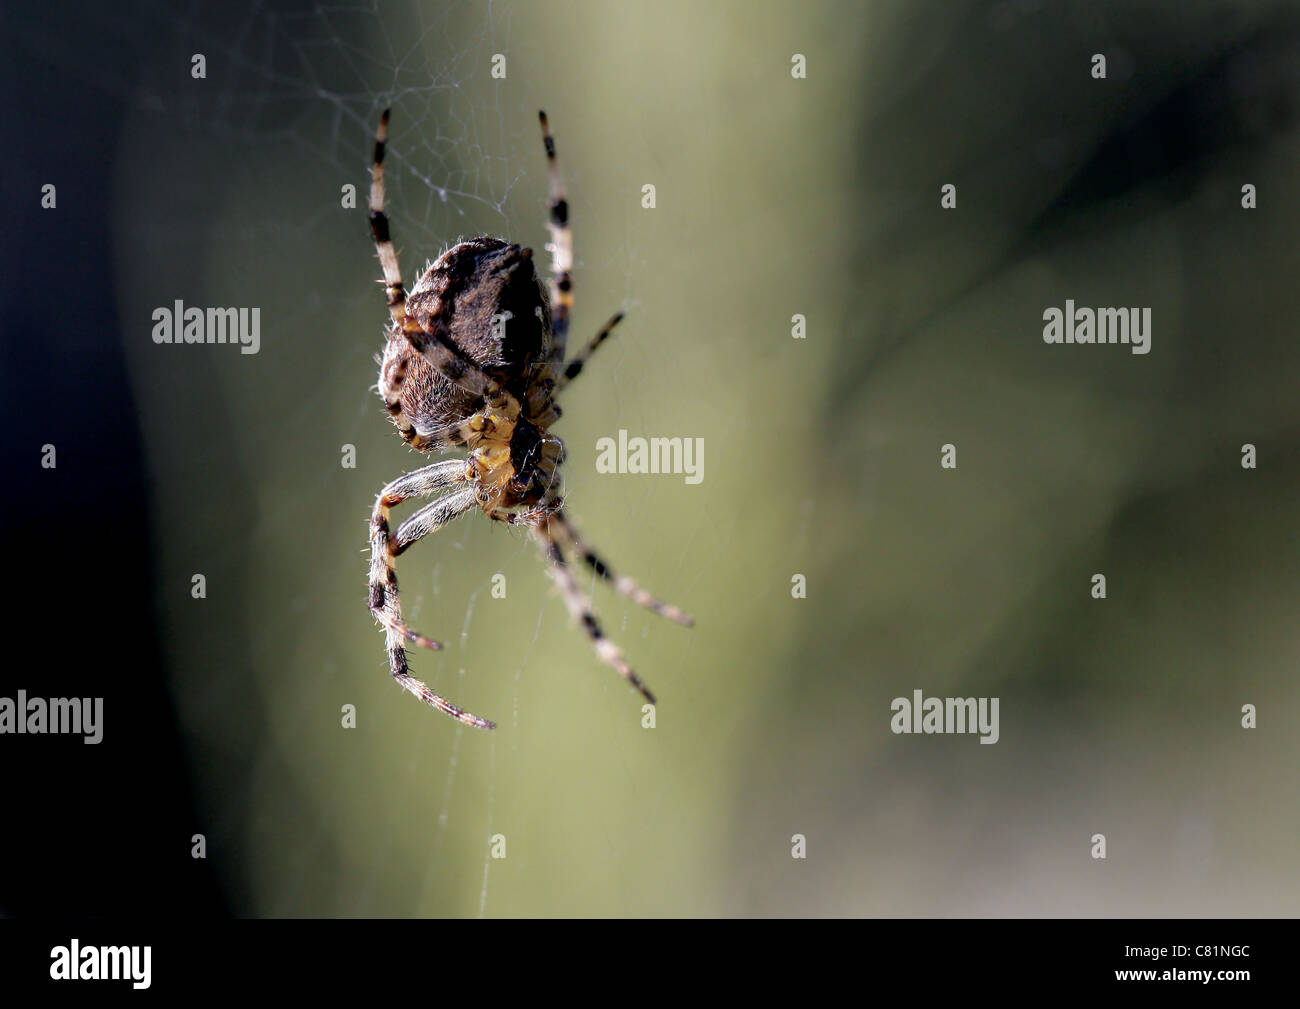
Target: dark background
104	829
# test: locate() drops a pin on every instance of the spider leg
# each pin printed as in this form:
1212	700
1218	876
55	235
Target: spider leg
433	342
383	599
580	609
395	291
528	517
431	518
561	249
467	432
575	366
393	287
436	441
562	274
621	584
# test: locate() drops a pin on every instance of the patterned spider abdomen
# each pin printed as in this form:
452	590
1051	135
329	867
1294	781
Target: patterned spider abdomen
495	309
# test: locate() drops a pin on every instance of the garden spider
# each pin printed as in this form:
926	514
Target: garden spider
474	359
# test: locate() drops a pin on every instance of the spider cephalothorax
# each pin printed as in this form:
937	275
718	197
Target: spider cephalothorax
474	360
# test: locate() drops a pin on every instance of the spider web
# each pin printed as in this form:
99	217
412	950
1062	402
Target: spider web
245	172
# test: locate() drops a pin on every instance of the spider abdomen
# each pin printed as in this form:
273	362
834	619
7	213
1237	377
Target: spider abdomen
489	295
494	308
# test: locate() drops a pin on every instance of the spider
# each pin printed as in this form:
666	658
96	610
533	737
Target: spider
474	359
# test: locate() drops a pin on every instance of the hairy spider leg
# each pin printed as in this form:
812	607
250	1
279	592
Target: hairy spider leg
434	343
574	367
580	608
621	584
561	249
384	549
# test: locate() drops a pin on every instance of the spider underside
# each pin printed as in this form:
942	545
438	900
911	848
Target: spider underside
474	360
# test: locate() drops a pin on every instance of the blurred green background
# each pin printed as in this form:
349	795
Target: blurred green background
775	197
